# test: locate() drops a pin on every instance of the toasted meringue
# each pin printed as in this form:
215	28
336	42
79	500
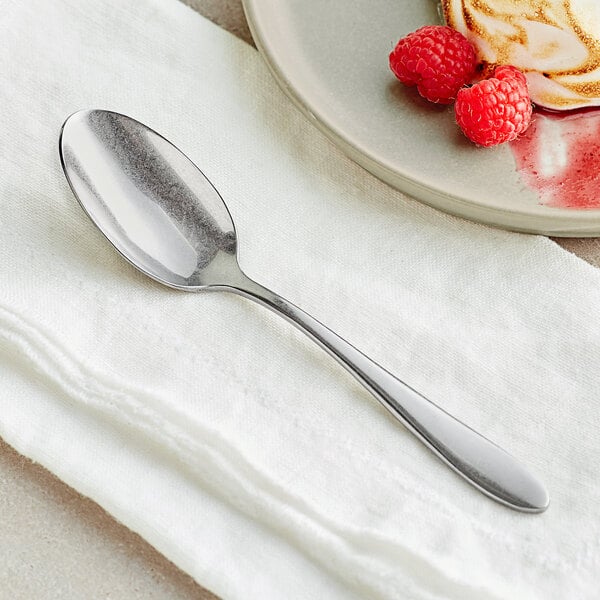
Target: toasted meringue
556	43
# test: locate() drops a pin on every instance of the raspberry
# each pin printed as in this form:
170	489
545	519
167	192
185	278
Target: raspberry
495	110
439	60
508	72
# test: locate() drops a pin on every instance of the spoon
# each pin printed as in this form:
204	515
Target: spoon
164	216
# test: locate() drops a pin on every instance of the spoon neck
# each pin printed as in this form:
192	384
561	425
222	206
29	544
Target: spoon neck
240	283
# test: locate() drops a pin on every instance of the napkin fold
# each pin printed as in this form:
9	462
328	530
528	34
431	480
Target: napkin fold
214	429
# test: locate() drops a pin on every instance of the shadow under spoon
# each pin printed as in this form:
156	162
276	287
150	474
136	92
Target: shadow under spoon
164	216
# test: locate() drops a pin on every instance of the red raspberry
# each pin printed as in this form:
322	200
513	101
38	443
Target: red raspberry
508	72
495	110
439	60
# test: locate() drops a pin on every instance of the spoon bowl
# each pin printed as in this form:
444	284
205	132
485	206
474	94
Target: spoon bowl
154	205
164	216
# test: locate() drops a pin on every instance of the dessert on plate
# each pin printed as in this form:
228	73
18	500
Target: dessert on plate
442	63
522	51
555	43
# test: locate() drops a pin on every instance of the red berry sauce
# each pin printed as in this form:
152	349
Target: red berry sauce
559	158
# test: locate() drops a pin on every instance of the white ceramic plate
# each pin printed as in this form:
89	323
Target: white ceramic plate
331	58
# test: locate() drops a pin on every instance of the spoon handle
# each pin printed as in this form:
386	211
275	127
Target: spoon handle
481	462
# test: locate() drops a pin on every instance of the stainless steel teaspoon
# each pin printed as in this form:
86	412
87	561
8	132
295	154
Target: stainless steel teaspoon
165	217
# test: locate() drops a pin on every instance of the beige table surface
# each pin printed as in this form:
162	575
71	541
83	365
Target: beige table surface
54	543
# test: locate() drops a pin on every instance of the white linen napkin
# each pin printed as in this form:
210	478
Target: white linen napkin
210	426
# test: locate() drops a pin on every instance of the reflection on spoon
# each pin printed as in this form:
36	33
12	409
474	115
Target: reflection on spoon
174	219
